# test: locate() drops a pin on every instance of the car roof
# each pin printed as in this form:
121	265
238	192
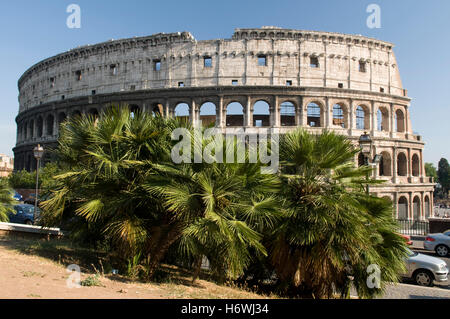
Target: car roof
23	205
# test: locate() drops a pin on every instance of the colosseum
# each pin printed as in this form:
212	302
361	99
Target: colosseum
260	78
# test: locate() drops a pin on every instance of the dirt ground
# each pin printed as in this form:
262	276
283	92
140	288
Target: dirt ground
23	275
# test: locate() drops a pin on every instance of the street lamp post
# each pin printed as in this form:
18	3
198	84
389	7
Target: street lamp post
38	152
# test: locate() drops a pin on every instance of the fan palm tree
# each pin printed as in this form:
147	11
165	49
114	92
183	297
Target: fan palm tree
6	200
330	229
121	181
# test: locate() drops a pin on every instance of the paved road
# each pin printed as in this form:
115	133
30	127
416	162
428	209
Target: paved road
408	290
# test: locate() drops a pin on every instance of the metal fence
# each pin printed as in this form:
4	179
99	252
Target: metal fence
414	227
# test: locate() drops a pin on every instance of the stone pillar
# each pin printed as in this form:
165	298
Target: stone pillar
219	113
373	118
394	165
55	125
411	207
276	115
328	113
167	109
352	116
391	120
299	113
248	118
193	113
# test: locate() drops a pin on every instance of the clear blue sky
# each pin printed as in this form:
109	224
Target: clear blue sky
33	30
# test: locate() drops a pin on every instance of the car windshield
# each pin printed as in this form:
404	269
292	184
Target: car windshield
411	253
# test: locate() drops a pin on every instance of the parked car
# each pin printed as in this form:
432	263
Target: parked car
424	269
24	214
440	243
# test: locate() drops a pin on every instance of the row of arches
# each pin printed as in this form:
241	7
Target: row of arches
385	167
244	111
415	211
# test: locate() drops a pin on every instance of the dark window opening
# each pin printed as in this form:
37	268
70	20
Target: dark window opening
132	87
113	69
52	82
314	62
207	62
289	83
157	65
78	75
341	85
180	84
362	67
62	97
93	92
382	90
262	60
234	82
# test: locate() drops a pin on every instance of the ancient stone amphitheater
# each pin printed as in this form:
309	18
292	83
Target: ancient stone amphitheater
268	77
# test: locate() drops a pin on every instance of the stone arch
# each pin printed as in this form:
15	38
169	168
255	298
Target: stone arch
415	165
402	208
49	125
315	116
362	114
385	166
31	129
76	113
402	164
181	111
399	121
40	126
61	117
157	109
208	114
383	119
361	159
134	109
261	114
340	114
287	113
416	208
234	114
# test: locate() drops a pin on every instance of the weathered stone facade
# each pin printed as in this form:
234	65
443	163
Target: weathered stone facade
317	80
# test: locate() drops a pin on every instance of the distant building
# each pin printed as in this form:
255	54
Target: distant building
6	165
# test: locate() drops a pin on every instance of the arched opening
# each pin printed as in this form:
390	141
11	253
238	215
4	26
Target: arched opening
361	159
49	124
382	119
134	109
235	114
314	113
31	129
25	131
40	126
76	113
427	206
339	116
287	114
402	165
362	122
61	118
208	114
261	114
402	208
385	164
399	121
157	109
416	208
181	111
415	165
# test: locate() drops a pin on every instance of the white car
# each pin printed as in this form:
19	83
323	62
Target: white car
440	243
424	269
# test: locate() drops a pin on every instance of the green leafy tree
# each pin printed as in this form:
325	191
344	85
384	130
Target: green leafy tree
444	175
431	171
22	179
6	200
330	229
